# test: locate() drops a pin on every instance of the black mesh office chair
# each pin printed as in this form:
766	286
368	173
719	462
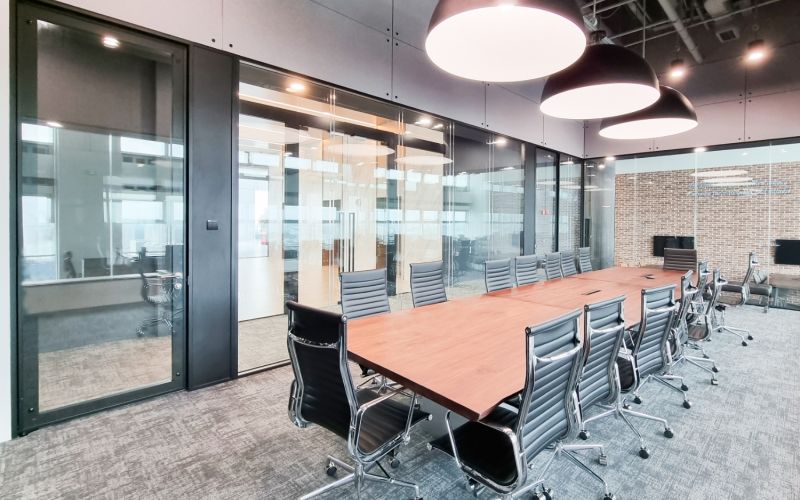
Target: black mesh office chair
496	452
743	291
552	265
650	342
497	274
680	259
373	423
610	368
584	260
526	268
363	293
688	336
760	287
568	263
427	283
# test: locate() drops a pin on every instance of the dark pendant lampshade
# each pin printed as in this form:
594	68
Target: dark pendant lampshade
505	40
671	114
608	80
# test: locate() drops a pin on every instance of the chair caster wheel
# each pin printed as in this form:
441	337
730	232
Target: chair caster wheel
668	433
610	497
715	369
472	487
394	463
602	459
749	337
684	387
644	453
687	404
637	400
583	435
331	470
714	381
744	344
705	356
626	406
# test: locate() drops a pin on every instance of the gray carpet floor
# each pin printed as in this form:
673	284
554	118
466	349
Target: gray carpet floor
739	440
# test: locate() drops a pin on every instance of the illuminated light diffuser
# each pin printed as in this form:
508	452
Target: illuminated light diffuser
608	80
359	149
505	40
671	114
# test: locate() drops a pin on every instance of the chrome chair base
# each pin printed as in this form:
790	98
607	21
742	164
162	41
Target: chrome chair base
153	322
620	409
358	475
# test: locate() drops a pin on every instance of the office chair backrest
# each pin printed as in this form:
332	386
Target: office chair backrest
680	324
526	268
322	392
364	293
568	263
700	326
752	264
584	260
497	274
552	265
658	313
680	259
427	283
604	328
702	276
546	412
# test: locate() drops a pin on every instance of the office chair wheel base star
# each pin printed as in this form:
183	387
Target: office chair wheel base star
668	433
637	400
584	435
644	453
687	404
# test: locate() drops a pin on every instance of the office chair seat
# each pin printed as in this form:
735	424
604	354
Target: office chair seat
383	421
761	290
484	449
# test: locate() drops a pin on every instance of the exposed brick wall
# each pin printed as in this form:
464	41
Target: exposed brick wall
730	221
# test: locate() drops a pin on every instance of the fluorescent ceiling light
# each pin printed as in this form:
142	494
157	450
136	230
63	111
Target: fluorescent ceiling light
720	173
671	114
505	41
724	180
608	80
295	87
431	160
500	141
110	42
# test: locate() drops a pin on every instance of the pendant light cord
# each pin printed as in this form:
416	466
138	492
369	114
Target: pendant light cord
644	28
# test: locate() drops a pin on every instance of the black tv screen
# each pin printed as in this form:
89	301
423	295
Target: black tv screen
787	252
662	242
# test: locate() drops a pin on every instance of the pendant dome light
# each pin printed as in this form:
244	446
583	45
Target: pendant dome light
505	40
608	80
671	114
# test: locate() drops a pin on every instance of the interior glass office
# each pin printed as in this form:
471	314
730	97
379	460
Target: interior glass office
724	201
331	182
100	216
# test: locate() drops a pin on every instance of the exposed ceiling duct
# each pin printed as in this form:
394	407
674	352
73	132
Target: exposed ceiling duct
676	21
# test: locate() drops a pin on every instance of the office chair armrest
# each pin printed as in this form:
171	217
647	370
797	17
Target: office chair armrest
362	410
664	309
612	329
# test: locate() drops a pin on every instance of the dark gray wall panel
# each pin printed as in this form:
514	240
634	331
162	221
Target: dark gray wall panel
211	91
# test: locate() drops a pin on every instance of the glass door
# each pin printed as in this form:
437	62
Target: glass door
101	215
546	218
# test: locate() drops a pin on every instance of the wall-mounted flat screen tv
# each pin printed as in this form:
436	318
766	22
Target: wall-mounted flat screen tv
662	242
787	252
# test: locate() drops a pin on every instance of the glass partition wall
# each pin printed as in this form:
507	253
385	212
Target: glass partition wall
100	216
331	182
723	201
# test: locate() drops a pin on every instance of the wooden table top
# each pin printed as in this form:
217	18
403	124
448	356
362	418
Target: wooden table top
787	281
468	354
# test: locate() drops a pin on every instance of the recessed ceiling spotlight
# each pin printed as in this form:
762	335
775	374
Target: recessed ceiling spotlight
671	114
505	40
701	149
53	124
677	70
295	87
756	51
608	80
500	141
424	121
610	158
110	42
438	126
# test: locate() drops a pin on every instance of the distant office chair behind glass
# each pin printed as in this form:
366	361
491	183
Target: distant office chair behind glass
552	265
498	450
680	259
743	292
373	423
157	291
364	293
568	263
584	260
497	274
427	283
526	269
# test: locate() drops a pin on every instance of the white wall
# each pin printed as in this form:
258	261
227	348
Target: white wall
734	103
5	278
372	46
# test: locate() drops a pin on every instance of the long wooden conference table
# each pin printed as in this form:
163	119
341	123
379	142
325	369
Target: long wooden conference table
468	354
